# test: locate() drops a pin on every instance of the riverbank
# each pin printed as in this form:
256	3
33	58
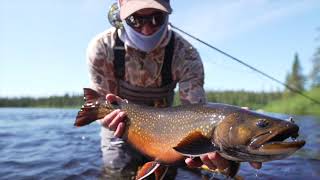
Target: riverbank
296	104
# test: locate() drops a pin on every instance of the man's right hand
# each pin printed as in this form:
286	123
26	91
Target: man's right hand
114	121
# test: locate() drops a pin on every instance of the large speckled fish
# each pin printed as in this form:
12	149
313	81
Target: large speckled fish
168	135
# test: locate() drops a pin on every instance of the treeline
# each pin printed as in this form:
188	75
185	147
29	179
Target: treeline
297	104
52	101
253	100
299	81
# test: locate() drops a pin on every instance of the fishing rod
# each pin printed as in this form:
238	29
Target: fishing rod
295	90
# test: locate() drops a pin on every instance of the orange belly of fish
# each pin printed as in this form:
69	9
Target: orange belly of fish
153	148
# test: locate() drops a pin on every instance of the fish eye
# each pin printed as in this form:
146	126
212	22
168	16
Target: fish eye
262	123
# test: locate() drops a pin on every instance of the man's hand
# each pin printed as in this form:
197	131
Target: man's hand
214	161
115	120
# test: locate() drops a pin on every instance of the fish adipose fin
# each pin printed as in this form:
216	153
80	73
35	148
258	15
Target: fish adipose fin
195	144
152	167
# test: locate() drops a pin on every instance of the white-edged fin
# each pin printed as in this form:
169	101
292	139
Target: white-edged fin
147	169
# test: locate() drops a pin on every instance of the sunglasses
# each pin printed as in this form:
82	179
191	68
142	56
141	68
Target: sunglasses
138	21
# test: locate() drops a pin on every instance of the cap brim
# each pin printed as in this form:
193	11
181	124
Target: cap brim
131	7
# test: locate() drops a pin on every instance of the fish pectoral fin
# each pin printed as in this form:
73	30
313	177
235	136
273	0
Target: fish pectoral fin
152	167
195	144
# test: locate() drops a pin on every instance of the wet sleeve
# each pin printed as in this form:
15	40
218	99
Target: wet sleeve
101	71
191	77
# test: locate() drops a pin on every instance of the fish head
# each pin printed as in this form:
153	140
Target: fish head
250	136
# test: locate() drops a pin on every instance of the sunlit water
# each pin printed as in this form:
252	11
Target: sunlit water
43	144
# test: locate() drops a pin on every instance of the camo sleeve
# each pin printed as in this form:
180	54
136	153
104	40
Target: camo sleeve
101	71
189	72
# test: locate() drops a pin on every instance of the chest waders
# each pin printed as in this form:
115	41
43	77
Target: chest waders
151	96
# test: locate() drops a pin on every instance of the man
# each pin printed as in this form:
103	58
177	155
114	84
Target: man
142	62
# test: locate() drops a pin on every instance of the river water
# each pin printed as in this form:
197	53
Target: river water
40	143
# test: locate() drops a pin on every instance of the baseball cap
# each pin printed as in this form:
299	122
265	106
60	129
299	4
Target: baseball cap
129	7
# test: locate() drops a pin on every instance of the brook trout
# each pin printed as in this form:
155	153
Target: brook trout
169	135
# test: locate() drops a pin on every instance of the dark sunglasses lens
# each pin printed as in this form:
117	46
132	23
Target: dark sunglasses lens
134	22
155	20
158	20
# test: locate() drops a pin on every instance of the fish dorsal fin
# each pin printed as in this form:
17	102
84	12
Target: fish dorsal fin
152	167
195	144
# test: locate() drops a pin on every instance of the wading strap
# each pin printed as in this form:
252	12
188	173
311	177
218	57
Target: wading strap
119	57
166	71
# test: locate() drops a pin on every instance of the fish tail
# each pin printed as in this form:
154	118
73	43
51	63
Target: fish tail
92	108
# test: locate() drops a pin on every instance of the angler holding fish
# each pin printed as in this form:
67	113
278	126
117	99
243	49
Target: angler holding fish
141	59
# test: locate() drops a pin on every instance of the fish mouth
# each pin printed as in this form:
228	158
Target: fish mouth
277	141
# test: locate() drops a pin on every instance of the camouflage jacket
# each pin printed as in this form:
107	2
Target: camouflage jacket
143	69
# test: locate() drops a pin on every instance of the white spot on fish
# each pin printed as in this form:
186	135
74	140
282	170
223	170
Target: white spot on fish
160	116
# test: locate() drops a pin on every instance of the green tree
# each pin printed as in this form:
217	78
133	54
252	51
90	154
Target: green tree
296	79
315	72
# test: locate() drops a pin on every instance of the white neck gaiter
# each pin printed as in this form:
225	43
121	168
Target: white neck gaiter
143	42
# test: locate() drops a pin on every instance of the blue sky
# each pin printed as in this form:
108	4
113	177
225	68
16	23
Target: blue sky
43	43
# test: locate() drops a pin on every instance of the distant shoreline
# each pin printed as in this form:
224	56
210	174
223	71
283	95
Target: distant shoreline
267	101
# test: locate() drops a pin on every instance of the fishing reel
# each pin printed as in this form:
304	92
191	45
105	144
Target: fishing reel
114	16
